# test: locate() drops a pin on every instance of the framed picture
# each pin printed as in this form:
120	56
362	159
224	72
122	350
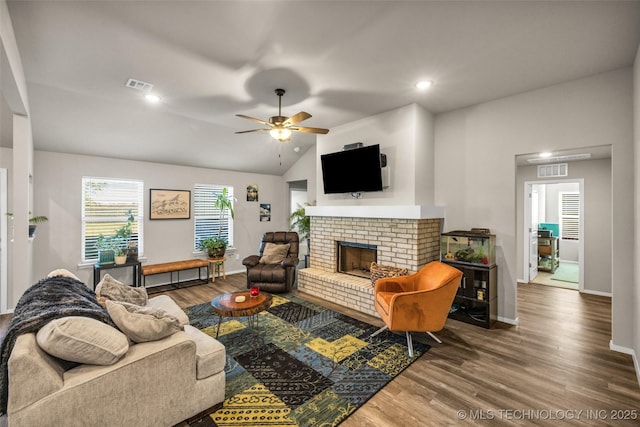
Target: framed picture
252	193
169	204
265	212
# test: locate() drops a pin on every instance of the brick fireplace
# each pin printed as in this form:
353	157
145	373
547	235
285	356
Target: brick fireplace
408	240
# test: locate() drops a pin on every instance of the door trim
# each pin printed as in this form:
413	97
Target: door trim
527	214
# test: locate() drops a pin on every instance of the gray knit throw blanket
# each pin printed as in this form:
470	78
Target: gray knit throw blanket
49	299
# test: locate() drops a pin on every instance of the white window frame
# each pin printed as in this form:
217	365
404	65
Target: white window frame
569	205
206	217
128	193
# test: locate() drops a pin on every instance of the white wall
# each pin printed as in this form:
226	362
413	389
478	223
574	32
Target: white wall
597	218
58	196
635	312
304	170
476	173
14	97
405	135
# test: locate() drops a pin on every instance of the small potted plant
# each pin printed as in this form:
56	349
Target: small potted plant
124	246
33	222
216	246
106	251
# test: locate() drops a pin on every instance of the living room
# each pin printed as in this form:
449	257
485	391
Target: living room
461	160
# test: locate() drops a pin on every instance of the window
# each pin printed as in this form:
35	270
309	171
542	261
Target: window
105	206
208	220
570	216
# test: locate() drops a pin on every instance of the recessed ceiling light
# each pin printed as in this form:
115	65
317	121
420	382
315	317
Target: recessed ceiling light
424	84
154	99
545	154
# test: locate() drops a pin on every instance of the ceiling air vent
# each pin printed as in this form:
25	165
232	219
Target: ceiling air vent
552	171
139	85
565	158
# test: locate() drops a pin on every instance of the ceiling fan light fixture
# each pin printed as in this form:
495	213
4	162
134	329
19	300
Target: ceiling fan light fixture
281	134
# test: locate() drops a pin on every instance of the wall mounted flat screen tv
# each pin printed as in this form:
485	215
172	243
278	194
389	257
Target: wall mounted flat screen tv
352	171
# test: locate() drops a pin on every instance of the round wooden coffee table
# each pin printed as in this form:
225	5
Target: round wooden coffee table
225	305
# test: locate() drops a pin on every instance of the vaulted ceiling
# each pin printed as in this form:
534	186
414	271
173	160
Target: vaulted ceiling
338	60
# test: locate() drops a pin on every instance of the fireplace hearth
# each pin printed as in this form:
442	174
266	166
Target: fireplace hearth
356	258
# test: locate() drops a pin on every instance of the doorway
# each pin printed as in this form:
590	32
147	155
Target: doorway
554	212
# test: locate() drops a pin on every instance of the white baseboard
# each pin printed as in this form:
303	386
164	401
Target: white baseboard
509	321
599	293
630	351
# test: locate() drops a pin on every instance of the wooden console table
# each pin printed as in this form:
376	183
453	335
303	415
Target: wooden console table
135	265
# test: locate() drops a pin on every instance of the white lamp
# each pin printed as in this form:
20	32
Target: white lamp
281	134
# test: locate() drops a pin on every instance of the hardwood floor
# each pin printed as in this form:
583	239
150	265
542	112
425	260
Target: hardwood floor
555	364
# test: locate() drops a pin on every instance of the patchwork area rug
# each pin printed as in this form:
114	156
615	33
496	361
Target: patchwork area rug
301	365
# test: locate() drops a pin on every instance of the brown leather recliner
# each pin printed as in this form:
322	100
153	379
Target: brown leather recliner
419	302
274	277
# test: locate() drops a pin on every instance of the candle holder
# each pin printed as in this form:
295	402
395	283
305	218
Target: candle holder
255	291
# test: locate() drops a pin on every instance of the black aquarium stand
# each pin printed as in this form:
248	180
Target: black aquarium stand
477	299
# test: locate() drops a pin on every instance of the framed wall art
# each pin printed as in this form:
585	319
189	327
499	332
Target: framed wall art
265	212
169	204
252	193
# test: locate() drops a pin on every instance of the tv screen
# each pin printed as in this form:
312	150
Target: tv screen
352	171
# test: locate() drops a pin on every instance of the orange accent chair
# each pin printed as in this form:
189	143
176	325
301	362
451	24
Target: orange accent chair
419	302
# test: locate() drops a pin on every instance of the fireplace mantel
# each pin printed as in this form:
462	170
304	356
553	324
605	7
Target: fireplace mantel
386	211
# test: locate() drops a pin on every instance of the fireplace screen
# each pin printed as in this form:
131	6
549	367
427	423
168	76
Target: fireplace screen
356	258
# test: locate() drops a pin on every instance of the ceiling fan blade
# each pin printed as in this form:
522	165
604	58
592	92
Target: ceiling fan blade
262	122
297	118
252	130
309	130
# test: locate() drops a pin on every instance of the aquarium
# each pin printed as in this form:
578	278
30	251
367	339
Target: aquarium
476	247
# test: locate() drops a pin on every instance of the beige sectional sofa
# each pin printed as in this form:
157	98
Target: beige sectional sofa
155	383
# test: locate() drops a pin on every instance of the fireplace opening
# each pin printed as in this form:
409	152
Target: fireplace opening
356	258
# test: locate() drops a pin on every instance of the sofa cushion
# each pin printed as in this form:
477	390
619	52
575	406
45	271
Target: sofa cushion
274	253
82	340
63	272
166	303
210	353
142	324
112	289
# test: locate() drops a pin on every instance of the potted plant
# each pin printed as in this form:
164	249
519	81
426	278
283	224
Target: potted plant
125	247
33	222
106	251
301	223
116	248
216	246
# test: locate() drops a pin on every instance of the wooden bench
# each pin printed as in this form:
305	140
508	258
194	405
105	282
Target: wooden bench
176	266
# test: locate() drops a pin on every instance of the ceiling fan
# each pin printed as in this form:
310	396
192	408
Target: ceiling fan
280	127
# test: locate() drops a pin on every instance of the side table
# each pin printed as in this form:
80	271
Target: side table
217	268
135	265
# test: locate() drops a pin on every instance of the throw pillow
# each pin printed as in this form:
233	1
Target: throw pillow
114	290
82	340
379	271
142	324
274	253
63	272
